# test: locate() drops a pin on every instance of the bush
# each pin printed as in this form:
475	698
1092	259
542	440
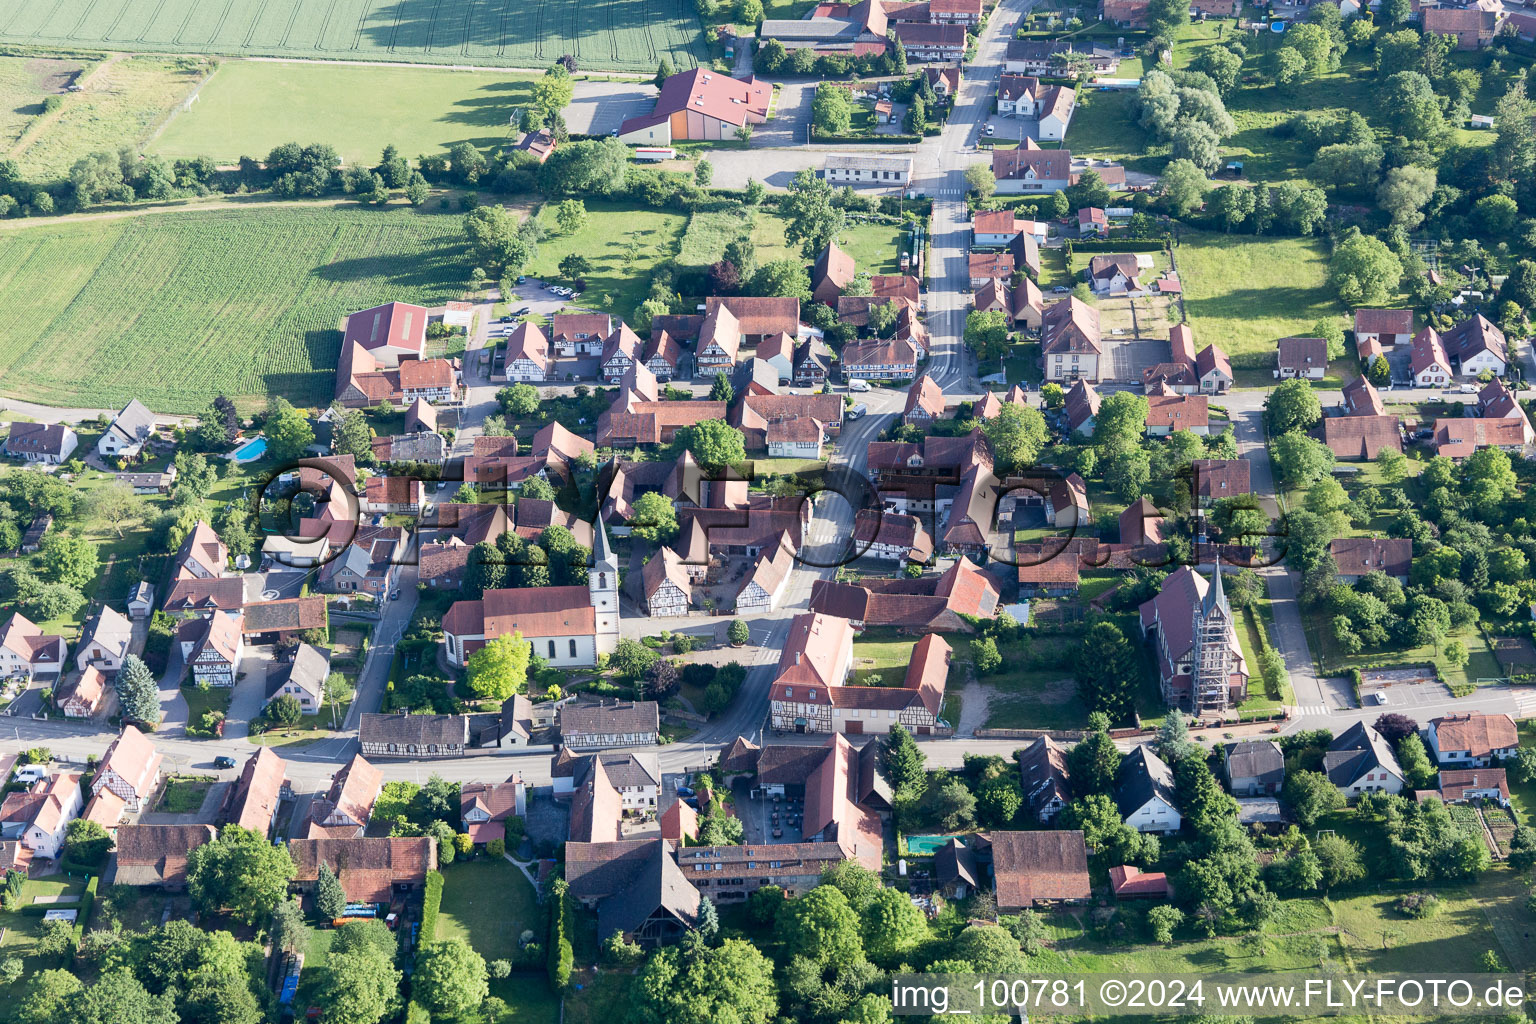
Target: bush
431	902
496	848
1418	905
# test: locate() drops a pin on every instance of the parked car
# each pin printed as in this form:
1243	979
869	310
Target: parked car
223	761
858	385
684	791
394	595
856	411
505	319
523	312
990	130
31	773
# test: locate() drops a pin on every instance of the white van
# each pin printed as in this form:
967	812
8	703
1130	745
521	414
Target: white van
31	773
858	385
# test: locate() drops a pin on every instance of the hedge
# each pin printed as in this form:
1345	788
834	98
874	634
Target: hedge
1118	245
432	900
868	140
84	917
560	957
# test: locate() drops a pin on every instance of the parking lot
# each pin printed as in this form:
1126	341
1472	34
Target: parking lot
1400	688
767	820
598	108
1125	358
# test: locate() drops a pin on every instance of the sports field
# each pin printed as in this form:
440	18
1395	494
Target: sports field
176	308
602	34
247	107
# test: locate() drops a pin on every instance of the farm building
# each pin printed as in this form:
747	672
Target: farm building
699	104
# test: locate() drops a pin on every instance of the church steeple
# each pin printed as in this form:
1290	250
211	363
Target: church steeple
603	586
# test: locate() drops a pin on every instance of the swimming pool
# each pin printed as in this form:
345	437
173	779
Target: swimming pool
250	451
922	846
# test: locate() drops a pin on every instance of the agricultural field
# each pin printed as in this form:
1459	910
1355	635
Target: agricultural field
121	102
177	308
505	33
248	107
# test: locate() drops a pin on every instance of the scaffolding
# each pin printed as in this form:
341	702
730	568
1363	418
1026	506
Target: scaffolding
1213	654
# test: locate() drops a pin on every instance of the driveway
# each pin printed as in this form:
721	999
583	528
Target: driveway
600	107
250	692
793	117
1014	129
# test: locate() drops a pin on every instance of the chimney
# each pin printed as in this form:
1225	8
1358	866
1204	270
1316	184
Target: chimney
797	657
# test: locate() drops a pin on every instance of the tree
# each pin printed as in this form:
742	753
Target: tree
1412	108
69	560
1182	187
1290	68
1496	215
360	986
892	925
330	900
1301	459
554	91
1339	860
663	72
1293	405
1198	143
290	933
570	215
984	655
416	190
986	333
1108	681
137	692
821	927
903	760
631	659
1405	192
1164	920
500	668
117	505
1514	147
714	443
240	872
1418	772
1166	17
738	633
450	978
494	240
980	180
284	711
353	436
1016	436
574	266
289	435
1363	270
1221	65
814	221
831	109
655	518
47	998
698	984
1233	204
786	277
703	173
720	390
1310	796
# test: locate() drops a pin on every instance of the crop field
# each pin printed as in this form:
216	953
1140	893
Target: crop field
614	34
248	107
177	308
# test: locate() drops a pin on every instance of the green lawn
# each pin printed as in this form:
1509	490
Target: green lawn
201	700
1104	127
314	974
184	794
886	659
623	241
248	107
1328	658
875	247
499	33
601	998
1246	293
248	302
120	103
489	903
21	931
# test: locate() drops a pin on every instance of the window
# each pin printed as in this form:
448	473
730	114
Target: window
602	581
552	649
573	647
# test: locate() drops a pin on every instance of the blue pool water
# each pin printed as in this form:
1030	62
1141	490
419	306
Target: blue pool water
251	450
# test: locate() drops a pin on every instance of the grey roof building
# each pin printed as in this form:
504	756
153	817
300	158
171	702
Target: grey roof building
1360	760
407	735
1255	768
621	724
636	887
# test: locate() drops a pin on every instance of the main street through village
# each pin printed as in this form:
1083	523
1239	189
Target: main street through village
940	165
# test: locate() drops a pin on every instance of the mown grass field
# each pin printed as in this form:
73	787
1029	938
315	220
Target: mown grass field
120	103
1245	293
248	107
176	309
612	34
875	246
489	903
623	241
25	84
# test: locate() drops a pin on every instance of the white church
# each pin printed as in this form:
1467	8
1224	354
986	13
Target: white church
566	626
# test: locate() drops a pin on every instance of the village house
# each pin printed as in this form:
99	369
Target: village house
832	272
891	537
1219	478
1057	57
141	600
985	266
813	361
817	654
933	603
212	647
621	350
1254	768
1387	328
934	42
1030	169
540	143
1114	274
1045	778
1168	413
29	653
667	587
1477	346
1430	365
1081	408
779	353
1092	222
579	334
128	432
925	403
1027	870
156	856
867	169
881	359
769	576
1070	341
1144	792
411	736
300	675
1458	786
104	640
1357	556
373	869
1472	27
1362	436
81	698
392	495
257	795
1458	438
602	725
1360	398
369	565
484	807
344	811
1359	761
1473	739
527	357
758	317
1127	881
1301	357
130	768
1496	402
50	444
635	886
1200	662
37	817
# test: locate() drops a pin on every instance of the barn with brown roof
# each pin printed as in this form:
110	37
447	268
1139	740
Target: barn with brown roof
371	869
1039	869
156	855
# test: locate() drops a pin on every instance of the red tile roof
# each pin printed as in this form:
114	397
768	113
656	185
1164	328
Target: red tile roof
1477	733
1039	866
